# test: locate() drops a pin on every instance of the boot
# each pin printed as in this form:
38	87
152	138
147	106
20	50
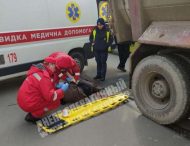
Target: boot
30	118
122	69
102	79
96	77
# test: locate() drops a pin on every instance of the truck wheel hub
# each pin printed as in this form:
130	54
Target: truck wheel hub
160	89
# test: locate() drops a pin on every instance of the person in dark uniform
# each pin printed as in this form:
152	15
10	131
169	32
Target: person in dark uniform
101	39
124	52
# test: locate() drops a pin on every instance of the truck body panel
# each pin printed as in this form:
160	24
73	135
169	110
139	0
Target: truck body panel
141	13
171	34
121	25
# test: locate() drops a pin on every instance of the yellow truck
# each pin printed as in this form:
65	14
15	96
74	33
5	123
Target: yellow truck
160	67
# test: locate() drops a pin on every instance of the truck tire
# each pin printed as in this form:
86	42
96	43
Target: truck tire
79	58
160	86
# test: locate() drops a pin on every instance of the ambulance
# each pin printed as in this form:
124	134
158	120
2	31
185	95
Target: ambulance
31	30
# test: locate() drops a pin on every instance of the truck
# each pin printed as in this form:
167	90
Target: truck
32	30
159	67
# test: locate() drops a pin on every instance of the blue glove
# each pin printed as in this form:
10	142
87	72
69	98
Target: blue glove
69	79
64	87
59	85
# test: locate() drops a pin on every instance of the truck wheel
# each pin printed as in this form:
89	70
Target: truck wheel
79	58
161	89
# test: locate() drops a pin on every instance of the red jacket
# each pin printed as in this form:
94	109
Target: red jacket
37	89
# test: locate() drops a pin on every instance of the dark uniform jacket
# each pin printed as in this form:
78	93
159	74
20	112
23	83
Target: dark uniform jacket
101	41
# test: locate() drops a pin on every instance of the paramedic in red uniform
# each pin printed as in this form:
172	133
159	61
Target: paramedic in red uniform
66	63
38	95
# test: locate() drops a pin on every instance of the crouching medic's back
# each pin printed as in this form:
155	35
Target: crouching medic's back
38	93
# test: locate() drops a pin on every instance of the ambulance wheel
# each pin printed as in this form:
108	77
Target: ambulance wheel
161	88
79	58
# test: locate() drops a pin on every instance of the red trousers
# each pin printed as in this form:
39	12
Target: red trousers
40	110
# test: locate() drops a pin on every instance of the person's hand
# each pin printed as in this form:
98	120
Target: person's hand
64	87
68	79
59	85
109	49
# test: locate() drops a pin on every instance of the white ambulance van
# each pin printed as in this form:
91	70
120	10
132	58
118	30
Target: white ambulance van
30	30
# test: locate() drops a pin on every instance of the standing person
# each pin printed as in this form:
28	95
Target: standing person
101	40
37	94
124	52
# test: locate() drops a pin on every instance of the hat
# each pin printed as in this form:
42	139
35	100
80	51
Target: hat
57	54
64	62
101	21
50	60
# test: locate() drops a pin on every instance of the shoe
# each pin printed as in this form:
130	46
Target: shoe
122	69
97	77
63	102
30	118
102	79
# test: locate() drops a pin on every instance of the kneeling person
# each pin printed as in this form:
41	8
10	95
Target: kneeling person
38	95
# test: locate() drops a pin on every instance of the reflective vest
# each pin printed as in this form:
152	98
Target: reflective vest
107	38
107	35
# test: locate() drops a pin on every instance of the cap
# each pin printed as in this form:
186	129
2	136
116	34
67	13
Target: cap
64	62
50	60
100	21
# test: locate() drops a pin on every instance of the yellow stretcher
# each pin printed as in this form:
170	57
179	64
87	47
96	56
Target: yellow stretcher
84	112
